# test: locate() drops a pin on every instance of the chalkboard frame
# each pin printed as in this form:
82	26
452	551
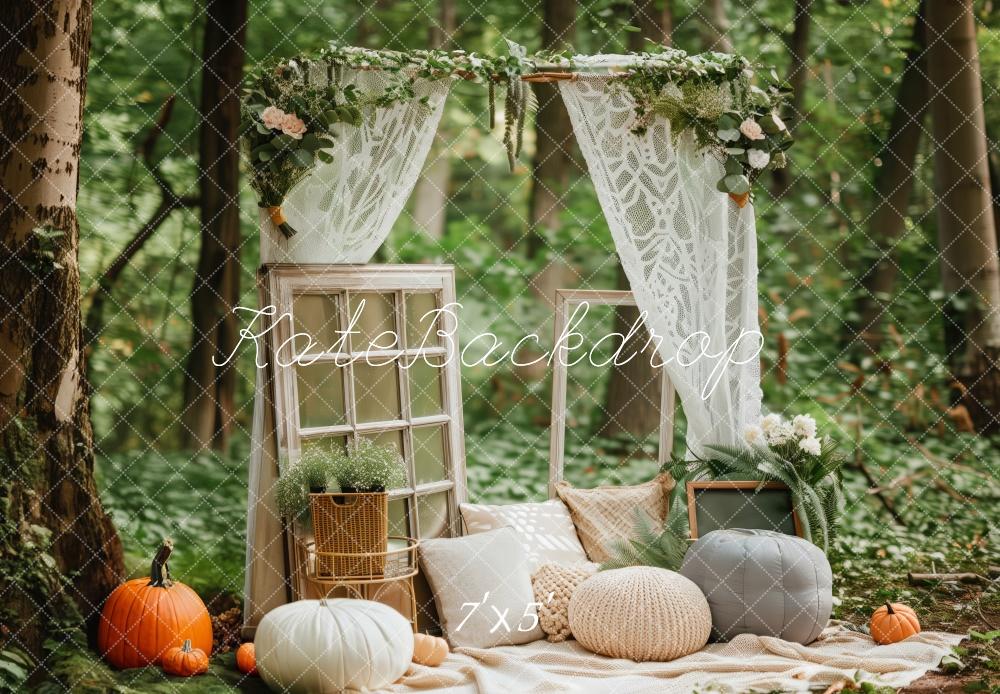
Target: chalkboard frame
695	488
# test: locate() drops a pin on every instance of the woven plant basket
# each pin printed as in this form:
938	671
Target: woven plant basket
354	529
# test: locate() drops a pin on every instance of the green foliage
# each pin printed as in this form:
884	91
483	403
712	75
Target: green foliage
313	471
15	668
652	545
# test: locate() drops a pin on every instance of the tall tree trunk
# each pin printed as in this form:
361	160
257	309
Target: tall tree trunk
655	22
893	187
430	198
715	26
210	390
970	269
632	401
798	78
52	521
553	160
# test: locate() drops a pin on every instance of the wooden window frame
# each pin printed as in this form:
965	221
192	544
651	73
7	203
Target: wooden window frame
566	301
282	282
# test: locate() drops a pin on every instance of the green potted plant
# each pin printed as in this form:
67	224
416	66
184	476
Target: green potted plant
310	475
367	467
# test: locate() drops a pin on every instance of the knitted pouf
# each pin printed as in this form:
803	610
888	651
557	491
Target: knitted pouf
761	582
640	613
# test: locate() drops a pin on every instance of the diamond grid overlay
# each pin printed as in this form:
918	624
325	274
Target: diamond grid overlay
481	13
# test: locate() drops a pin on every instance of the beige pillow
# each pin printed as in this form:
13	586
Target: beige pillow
604	514
545	529
482	589
554	585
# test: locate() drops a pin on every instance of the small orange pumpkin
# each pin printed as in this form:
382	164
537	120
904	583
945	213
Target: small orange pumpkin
893	622
144	617
246	659
185	661
429	650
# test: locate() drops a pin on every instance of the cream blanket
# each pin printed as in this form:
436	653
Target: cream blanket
745	664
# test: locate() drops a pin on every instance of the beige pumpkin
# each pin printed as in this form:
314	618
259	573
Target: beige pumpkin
332	645
429	650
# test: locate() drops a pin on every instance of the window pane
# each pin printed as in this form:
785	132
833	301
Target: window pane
428	454
399	521
318	316
377	316
426	387
328	444
376	392
421	329
321	395
432	515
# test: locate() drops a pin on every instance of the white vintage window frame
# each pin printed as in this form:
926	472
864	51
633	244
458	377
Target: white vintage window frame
282	282
567	300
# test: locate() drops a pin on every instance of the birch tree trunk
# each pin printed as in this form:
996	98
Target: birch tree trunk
970	271
893	188
53	525
210	390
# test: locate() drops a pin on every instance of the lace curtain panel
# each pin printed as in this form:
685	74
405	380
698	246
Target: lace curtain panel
690	255
342	211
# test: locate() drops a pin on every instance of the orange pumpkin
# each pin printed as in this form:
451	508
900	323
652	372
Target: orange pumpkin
185	661
144	617
893	622
246	659
429	650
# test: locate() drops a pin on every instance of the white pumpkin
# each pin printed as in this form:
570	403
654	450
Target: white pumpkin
320	646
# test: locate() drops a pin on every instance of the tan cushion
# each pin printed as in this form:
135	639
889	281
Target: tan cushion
605	514
545	529
554	585
482	589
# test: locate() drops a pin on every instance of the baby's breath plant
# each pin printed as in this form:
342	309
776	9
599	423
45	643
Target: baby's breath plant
368	467
312	473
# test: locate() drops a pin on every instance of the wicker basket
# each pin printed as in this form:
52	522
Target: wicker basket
352	524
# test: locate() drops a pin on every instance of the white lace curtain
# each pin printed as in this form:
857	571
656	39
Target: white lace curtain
342	211
690	255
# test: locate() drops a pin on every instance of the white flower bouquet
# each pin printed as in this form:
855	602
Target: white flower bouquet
788	451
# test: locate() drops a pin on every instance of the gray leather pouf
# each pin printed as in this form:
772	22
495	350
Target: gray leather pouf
761	582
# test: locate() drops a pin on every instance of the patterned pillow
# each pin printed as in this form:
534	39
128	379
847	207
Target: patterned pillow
553	585
545	529
604	514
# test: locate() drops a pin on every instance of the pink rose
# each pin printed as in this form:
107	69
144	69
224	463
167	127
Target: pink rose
293	126
751	129
272	117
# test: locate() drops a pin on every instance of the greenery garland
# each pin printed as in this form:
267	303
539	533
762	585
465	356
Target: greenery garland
290	124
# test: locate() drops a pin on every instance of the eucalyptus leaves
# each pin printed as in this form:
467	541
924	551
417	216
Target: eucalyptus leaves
289	125
713	96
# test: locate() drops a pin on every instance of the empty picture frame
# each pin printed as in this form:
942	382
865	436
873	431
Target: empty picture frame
568	300
754	505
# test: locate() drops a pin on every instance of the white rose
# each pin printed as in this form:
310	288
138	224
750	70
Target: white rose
751	129
770	423
804	426
758	158
753	435
810	445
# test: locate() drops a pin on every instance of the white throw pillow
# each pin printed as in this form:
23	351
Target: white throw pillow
482	589
545	529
